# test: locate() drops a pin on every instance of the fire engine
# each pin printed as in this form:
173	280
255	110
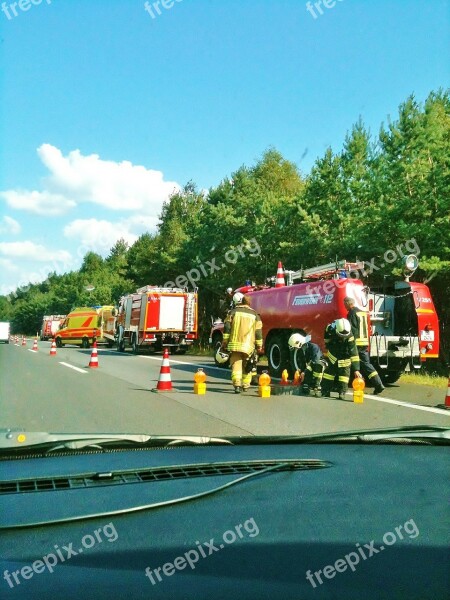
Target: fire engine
154	317
50	325
402	322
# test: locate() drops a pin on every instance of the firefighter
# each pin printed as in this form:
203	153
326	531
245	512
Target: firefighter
358	322
242	333
310	361
341	356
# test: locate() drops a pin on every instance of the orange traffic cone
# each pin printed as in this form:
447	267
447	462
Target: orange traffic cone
53	349
93	363
24	341
447	397
280	276
35	346
17	339
164	381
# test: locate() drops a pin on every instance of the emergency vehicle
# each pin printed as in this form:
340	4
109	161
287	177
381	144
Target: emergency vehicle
83	325
401	319
50	325
154	317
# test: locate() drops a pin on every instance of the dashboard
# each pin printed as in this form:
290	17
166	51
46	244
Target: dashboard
315	521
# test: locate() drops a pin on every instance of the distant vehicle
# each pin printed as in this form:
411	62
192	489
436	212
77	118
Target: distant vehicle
401	321
154	317
82	326
5	331
50	325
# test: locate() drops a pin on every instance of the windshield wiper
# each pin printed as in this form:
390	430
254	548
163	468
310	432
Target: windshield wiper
419	434
18	440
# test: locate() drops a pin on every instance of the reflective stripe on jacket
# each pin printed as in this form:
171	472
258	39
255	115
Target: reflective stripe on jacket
242	330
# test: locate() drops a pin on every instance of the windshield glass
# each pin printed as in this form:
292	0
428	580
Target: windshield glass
223	219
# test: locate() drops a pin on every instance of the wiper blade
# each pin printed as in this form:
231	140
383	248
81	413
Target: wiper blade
19	439
427	433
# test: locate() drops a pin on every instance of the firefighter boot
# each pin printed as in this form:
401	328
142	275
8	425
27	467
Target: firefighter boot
378	389
237	389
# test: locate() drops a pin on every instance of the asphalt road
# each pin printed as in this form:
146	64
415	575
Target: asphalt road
39	392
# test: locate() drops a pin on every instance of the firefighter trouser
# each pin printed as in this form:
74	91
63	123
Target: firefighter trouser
238	362
313	374
336	368
367	369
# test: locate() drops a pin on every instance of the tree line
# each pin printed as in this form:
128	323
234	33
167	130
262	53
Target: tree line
375	193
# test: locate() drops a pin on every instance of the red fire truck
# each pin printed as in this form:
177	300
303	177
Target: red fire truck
50	325
402	321
155	317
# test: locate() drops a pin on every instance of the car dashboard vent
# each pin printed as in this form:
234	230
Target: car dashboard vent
153	474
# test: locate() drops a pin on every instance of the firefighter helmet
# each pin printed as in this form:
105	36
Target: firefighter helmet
343	328
238	297
297	340
222	356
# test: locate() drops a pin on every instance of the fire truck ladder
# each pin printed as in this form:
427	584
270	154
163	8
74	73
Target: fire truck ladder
190	312
328	270
378	338
416	363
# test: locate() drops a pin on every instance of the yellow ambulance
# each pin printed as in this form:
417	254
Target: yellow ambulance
82	326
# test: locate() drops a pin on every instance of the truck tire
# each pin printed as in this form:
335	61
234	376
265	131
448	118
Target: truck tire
277	353
59	343
134	344
390	376
85	343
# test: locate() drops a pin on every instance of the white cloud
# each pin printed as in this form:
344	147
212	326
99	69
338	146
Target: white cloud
35	252
75	179
7	265
10	226
40	203
99	235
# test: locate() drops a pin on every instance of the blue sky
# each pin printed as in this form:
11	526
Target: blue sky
106	110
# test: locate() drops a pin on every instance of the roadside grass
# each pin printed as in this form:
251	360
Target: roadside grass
424	379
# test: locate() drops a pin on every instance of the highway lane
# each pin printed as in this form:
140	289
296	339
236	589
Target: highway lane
38	392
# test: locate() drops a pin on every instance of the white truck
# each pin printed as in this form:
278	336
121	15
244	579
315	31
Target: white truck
4	331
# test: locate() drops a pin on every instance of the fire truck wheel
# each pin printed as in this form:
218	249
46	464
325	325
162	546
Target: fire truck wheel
277	355
120	345
391	377
59	343
134	344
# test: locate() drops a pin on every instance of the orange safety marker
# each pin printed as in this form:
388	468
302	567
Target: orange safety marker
358	386
447	397
35	346
200	382
297	380
280	276
264	385
53	349
16	339
24	341
284	378
93	363
164	381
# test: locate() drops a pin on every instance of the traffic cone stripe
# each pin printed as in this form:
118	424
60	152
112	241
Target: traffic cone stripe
165	381
93	363
447	397
280	276
53	349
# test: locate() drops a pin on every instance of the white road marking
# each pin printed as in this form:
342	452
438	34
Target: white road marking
183	362
30	350
72	367
439	411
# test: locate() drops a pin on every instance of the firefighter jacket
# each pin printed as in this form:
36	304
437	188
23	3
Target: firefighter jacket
242	330
308	354
360	328
342	350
